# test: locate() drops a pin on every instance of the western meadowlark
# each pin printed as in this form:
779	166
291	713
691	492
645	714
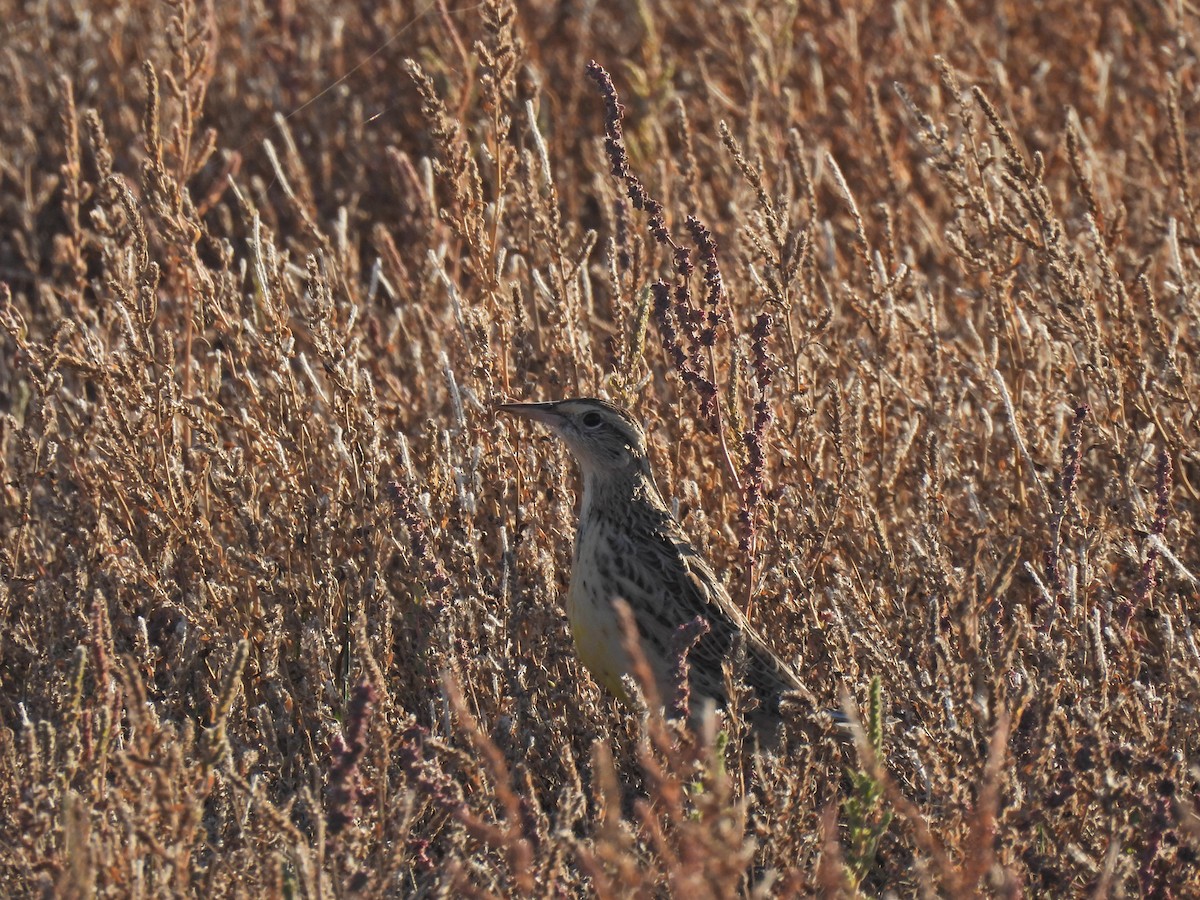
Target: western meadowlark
629	546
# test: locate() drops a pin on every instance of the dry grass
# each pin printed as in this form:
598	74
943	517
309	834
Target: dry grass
924	385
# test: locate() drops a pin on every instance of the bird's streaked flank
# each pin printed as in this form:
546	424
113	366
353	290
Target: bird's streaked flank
629	547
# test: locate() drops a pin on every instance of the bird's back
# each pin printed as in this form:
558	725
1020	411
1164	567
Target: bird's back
630	547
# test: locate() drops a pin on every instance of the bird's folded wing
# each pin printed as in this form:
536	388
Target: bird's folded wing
699	593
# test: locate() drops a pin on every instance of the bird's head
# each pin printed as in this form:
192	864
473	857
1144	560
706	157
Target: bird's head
605	439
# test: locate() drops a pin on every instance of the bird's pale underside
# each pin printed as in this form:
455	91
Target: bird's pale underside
629	547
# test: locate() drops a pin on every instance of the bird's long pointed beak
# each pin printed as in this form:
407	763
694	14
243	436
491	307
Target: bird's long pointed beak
538	412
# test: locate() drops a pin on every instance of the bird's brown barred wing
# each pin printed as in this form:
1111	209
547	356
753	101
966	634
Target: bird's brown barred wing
700	594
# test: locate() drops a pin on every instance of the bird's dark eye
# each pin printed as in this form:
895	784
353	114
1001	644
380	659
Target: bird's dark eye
593	420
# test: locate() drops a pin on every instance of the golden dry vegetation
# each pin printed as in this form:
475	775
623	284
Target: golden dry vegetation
914	331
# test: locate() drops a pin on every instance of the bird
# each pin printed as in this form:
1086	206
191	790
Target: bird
630	547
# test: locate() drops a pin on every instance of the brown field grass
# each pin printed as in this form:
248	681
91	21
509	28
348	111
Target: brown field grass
280	598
